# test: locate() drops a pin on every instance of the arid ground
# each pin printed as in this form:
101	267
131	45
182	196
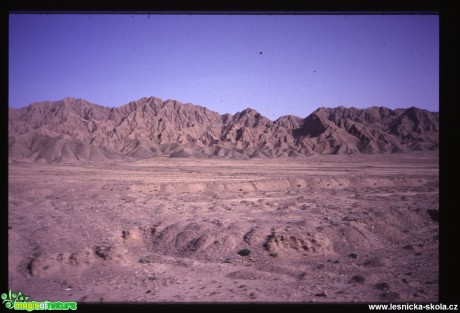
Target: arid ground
325	228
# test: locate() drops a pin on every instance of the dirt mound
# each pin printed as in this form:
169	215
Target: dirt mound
74	130
214	241
195	240
189	153
289	240
46	265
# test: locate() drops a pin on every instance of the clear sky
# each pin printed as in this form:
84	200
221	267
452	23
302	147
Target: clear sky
276	64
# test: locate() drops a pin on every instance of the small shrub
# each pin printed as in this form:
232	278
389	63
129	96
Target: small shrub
434	214
353	255
358	279
144	261
244	252
382	286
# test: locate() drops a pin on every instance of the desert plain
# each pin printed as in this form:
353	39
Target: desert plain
323	228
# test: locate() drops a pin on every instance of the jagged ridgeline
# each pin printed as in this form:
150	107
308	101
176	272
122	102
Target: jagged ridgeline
73	130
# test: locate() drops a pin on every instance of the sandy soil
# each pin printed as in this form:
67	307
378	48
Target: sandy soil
356	228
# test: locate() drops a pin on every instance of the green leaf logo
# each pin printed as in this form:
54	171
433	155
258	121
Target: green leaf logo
10	299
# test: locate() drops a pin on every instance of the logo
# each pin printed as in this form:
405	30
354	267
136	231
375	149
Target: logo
18	301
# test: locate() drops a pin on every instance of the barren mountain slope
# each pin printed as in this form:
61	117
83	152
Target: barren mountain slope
73	130
372	130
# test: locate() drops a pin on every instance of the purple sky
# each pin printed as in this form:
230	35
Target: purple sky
278	65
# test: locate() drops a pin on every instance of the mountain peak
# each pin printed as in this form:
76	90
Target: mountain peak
250	117
250	111
70	99
289	121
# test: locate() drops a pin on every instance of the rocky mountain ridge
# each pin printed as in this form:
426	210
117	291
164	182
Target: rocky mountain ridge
74	130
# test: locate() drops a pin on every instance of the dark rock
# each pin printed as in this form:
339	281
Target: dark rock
353	255
244	252
382	286
358	279
434	214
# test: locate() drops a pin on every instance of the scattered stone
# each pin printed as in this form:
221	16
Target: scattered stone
377	262
358	279
125	234
321	294
144	261
408	247
389	296
382	286
302	275
217	222
103	251
353	255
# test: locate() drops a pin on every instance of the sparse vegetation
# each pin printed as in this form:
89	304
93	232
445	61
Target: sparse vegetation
244	252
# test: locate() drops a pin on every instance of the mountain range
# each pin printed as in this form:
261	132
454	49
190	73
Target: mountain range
74	130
